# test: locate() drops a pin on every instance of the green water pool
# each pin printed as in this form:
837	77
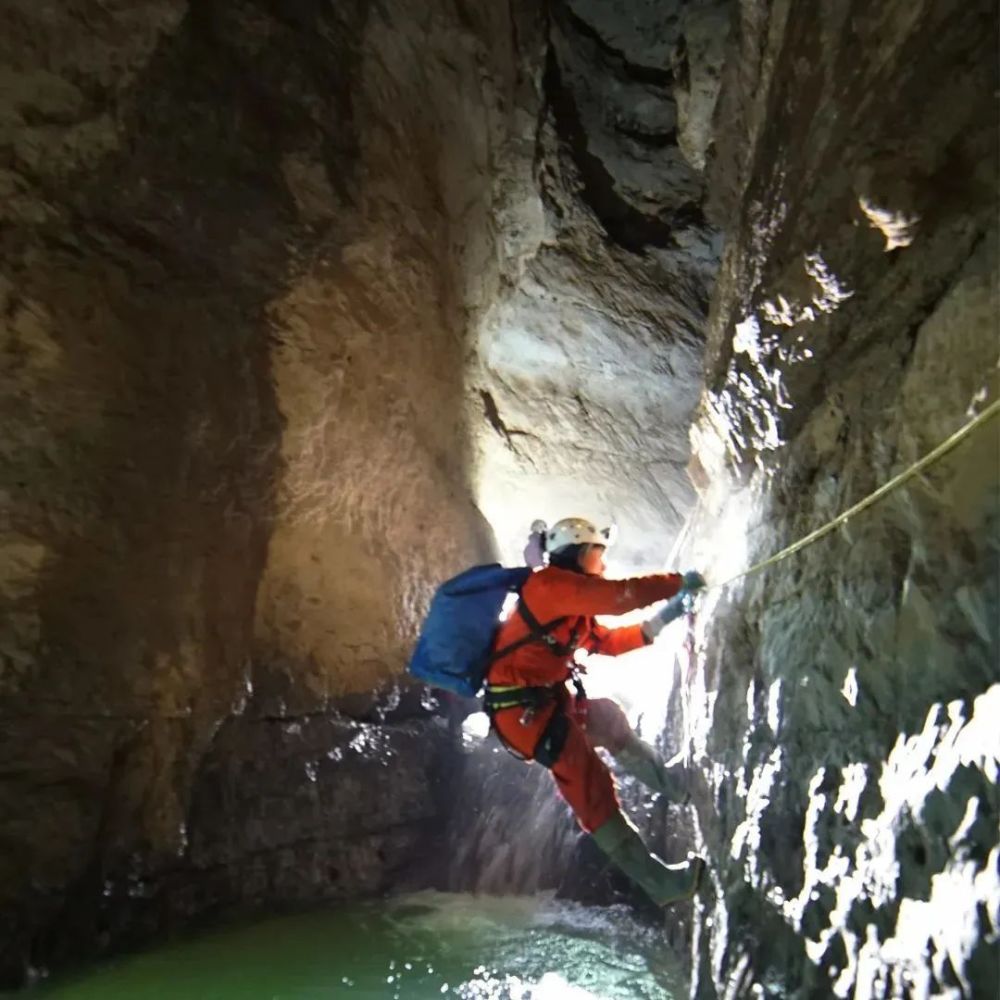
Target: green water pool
416	947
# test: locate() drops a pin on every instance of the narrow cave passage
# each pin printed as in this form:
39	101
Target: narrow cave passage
305	308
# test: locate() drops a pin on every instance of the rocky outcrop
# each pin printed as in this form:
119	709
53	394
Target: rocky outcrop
840	703
590	356
237	270
284	812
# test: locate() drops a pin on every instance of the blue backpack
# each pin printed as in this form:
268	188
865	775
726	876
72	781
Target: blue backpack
455	644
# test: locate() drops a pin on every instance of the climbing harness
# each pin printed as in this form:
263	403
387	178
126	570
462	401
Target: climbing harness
883	491
499	697
534	699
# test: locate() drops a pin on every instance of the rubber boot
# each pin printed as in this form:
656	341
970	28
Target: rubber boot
664	884
644	764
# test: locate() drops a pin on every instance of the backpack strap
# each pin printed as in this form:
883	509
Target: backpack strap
543	632
537	632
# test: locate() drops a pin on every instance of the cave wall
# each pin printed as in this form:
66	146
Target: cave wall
242	246
291	294
841	705
370	349
589	358
140	431
296	297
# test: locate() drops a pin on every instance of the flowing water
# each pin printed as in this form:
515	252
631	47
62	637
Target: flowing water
415	947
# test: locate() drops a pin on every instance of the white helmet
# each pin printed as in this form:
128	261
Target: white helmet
576	531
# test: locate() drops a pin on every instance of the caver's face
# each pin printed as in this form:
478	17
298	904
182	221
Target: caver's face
592	560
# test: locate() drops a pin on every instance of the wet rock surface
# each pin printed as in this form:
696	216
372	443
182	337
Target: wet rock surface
234	433
509	831
269	276
284	813
839	702
590	356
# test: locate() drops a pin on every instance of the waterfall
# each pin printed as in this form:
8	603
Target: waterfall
509	831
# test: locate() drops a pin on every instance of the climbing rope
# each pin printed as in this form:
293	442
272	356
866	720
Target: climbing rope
883	491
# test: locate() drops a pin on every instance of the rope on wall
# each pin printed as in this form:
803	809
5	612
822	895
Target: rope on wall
880	494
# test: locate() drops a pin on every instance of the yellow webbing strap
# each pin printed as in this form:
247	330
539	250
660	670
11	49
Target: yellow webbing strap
529	695
496	704
883	491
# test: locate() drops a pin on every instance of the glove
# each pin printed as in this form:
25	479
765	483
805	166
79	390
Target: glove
657	621
693	580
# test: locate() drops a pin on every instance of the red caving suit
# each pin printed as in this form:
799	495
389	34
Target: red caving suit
582	778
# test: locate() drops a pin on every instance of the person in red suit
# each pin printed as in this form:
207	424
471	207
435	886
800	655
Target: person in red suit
539	719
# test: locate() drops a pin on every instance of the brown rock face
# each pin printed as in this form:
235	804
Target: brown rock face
141	437
234	446
275	282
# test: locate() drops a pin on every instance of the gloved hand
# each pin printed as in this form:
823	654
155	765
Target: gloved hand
693	581
657	621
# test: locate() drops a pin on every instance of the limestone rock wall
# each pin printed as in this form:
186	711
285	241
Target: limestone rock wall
242	244
589	358
284	812
370	350
510	833
140	431
842	704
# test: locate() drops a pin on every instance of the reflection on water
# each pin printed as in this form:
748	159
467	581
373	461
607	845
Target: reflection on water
416	947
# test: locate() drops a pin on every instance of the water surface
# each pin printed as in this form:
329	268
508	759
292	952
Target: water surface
416	947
